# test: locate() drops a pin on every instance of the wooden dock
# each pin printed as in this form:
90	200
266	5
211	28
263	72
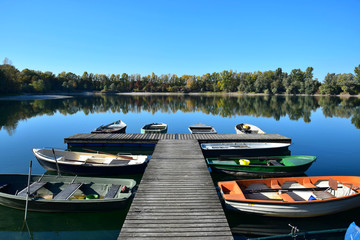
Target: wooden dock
176	197
114	139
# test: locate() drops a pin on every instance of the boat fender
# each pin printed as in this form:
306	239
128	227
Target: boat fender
353	232
92	196
124	189
244	162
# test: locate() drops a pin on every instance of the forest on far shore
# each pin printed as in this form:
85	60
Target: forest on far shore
13	81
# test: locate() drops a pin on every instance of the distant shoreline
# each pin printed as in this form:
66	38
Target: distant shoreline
51	96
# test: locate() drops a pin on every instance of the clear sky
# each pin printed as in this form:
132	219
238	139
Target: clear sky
181	37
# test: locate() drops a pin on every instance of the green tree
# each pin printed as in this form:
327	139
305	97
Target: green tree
39	85
311	85
329	85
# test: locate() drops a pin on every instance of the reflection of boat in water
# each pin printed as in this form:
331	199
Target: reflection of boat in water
115	127
262	166
295	234
251	226
11	220
293	197
202	129
245	128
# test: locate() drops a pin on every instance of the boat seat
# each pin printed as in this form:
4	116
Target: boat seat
321	195
33	188
113	190
68	191
274	163
275	184
307	183
286	197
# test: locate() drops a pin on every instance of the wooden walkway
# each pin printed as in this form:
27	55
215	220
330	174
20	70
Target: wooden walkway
114	138
176	197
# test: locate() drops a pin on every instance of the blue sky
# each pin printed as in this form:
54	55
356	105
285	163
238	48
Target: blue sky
181	37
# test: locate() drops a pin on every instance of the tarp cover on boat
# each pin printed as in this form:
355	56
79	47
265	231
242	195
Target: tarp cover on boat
353	232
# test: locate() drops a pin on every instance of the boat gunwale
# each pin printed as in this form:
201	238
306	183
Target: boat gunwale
122	197
227	162
83	163
243	199
268	145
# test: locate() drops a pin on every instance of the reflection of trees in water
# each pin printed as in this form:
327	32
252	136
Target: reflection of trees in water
226	106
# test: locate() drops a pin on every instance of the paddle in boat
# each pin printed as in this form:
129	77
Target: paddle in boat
154	128
245	128
245	148
294	196
115	127
51	193
202	129
84	163
262	166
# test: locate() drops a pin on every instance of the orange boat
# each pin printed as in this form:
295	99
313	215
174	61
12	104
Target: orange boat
293	197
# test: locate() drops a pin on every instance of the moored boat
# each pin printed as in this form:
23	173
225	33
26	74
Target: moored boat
293	197
202	129
84	163
51	193
115	127
154	128
262	166
244	148
245	128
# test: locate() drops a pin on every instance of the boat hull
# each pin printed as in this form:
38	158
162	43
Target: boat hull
64	206
259	173
295	210
295	197
90	170
236	149
143	131
17	182
258	166
154	128
117	130
202	129
253	129
83	163
115	127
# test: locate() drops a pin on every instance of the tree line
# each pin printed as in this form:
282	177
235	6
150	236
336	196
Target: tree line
13	81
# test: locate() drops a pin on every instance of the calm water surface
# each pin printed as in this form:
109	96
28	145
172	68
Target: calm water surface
327	127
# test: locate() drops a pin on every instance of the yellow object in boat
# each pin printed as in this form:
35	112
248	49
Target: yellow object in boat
244	162
246	127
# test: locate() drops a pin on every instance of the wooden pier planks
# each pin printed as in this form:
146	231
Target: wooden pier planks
83	138
176	197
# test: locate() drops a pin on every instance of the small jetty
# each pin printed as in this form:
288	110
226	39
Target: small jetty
176	197
121	139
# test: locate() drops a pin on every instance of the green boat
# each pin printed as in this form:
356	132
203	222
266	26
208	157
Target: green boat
262	166
51	193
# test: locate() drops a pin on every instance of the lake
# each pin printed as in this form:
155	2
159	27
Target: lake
327	127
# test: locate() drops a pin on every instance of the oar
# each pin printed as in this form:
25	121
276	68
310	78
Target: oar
57	165
28	192
285	189
122	156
